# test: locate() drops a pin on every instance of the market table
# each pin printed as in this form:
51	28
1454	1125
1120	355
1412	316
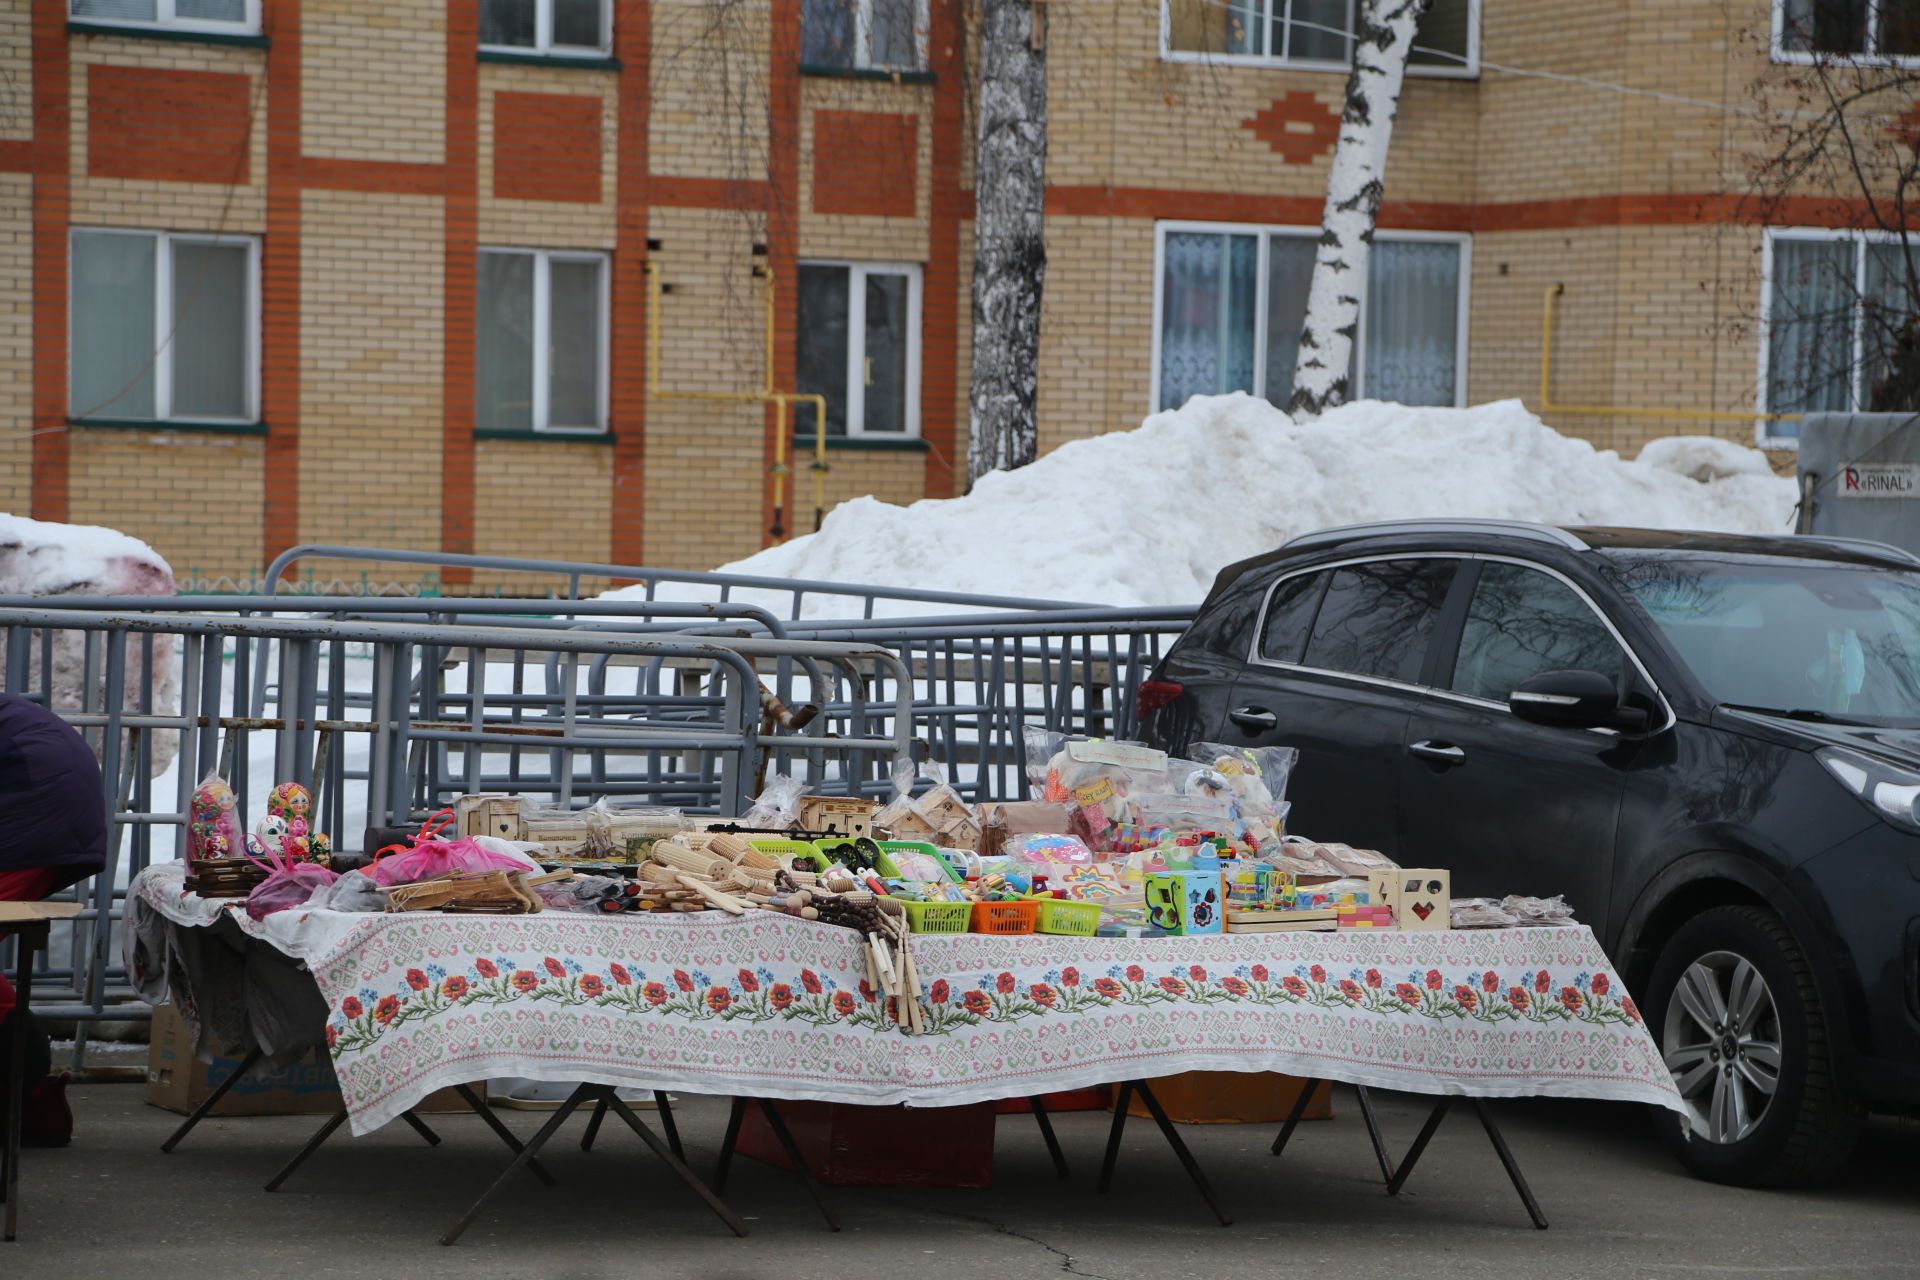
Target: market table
30	923
766	1005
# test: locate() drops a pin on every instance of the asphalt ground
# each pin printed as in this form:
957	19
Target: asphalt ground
112	1205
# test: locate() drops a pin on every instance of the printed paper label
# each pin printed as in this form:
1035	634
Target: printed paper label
1095	751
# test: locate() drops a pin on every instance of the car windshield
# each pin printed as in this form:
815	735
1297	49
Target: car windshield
1796	637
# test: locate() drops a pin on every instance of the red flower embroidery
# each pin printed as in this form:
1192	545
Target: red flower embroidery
1571	997
655	993
1600	984
1258	973
1407	993
843	1003
1434	980
939	992
620	974
1173	986
1136	974
1490	983
1197	973
1627	1007
455	987
1294	986
749	983
333	1034
554	967
1005	984
417	980
1464	996
1107	987
590	984
1043	994
1235	987
1351	990
1518	998
681	980
975	1001
351	1007
866	991
525	980
1318	973
718	999
1069	977
810	982
486	968
781	994
1542	983
386	1010
1373	978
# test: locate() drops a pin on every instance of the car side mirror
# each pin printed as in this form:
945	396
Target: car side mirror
1574	700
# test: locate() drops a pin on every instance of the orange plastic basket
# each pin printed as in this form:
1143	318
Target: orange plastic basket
1005	917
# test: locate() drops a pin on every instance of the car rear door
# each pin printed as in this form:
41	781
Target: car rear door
1332	673
1508	806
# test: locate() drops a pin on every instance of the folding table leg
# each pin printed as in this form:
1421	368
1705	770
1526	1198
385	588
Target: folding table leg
666	1123
485	1112
1187	1161
520	1161
1121	1101
1373	1132
778	1124
314	1143
1300	1103
419	1126
593	1126
1399	1178
211	1100
1506	1159
17	1082
727	1144
1040	1118
674	1163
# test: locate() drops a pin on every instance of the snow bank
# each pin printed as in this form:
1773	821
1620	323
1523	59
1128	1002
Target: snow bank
1148	516
41	558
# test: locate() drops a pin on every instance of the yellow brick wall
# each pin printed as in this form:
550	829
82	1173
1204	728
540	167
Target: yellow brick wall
541	499
709	87
193	496
16	342
859	238
373	80
16	73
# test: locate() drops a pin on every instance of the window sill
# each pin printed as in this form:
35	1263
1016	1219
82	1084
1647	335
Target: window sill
1419	71
171	425
168	33
549	60
866	73
563	437
872	444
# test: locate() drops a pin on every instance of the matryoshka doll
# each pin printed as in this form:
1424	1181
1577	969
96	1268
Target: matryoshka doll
214	829
292	803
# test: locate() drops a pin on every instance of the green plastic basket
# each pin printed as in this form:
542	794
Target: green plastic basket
800	851
937	917
889	868
1057	915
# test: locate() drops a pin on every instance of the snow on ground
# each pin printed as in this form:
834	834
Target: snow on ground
1148	516
41	558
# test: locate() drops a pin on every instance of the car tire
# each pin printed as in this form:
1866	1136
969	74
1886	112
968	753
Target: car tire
1805	1127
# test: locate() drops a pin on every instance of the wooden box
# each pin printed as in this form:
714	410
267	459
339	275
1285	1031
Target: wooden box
856	1146
1421	897
847	816
489	815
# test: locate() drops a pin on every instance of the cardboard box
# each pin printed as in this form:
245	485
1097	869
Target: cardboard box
177	1081
1421	897
1233	1097
851	1146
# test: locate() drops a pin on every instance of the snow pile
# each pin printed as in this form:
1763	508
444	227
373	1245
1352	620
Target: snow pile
1148	516
40	558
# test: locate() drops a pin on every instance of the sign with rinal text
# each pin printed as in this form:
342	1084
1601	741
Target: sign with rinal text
1879	480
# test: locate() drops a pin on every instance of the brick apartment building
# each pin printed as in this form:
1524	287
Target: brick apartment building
394	258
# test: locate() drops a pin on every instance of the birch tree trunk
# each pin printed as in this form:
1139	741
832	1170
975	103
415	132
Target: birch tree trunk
1383	37
1010	249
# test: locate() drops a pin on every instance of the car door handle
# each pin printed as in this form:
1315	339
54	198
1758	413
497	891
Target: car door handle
1254	718
1443	752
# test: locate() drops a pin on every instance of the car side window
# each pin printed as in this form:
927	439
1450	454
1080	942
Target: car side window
1522	622
1290	610
1376	618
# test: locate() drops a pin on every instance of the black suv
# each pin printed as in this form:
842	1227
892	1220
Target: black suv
1709	743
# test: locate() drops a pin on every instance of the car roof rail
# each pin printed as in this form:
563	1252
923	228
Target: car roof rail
1529	529
1872	545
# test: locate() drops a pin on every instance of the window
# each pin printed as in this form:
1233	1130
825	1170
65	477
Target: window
232	17
1290	610
1375	618
1835	303
540	346
1864	30
1523	622
1231	302
885	35
561	28
859	346
164	327
1314	34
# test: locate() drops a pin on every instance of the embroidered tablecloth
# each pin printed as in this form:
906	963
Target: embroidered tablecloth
768	1004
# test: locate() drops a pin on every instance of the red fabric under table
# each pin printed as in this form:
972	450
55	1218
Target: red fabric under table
30	885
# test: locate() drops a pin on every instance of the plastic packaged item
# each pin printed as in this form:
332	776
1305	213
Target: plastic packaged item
213	829
1043	745
1538	913
1480	913
431	856
938	814
289	884
1019	817
777	807
354	891
1349	861
1046	848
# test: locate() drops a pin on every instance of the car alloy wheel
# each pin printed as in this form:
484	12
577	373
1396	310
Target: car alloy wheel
1722	1042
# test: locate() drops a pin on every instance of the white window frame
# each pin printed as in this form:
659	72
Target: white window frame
165	19
1469	70
163	324
1808	57
543	260
1763	428
543	45
863	39
1262	232
857	345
